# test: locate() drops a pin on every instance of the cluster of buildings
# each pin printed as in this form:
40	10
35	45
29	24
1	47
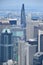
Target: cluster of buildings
21	42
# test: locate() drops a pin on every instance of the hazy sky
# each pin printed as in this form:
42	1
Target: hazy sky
31	5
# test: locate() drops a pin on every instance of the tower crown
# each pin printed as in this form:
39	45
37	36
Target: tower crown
23	6
6	31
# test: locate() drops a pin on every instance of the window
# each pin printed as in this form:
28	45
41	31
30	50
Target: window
5	39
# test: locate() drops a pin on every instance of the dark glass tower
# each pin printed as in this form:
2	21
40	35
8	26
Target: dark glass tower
6	46
41	42
23	20
23	17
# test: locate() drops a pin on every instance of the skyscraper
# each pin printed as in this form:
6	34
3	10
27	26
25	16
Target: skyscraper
21	52
23	17
40	41
37	59
6	46
30	51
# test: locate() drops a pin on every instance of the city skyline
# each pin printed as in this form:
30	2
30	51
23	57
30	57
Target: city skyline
21	38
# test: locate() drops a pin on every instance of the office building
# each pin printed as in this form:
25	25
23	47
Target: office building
18	32
31	28
15	50
23	17
26	52
40	40
4	20
13	21
38	57
21	53
30	51
41	26
33	41
36	28
6	46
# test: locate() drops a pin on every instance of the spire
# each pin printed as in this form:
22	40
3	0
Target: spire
23	17
22	6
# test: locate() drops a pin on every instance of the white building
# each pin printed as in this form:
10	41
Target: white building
30	27
26	52
10	62
21	53
30	51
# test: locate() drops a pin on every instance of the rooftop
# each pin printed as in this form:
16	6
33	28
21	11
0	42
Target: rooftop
6	30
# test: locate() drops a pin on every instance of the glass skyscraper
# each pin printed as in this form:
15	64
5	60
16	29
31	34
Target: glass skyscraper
23	17
6	46
23	20
41	42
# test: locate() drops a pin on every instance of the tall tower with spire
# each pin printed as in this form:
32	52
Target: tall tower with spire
23	20
23	17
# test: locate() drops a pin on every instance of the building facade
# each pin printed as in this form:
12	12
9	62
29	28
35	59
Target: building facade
6	46
38	57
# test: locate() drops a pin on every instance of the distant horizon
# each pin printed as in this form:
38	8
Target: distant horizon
30	5
19	10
